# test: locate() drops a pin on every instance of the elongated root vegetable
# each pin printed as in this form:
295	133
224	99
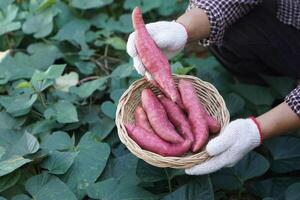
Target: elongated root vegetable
154	60
196	114
158	118
141	120
177	117
154	143
213	125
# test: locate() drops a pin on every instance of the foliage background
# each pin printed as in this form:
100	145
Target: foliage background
63	67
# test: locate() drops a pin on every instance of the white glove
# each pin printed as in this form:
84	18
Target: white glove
238	138
170	37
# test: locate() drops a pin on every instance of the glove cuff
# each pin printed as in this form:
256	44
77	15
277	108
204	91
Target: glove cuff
258	127
186	30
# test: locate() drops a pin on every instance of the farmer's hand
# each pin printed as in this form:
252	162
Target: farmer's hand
237	139
170	37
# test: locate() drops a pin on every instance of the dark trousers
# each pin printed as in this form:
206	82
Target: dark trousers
259	43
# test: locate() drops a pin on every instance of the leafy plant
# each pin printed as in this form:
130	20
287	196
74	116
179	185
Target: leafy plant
63	69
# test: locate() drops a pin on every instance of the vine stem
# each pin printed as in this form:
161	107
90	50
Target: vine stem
42	100
88	79
105	55
169	181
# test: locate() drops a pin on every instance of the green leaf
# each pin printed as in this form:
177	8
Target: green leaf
123	168
11	164
86	68
177	68
7	122
27	144
257	95
234	103
116	42
285	153
116	94
273	187
2	198
199	188
88	165
5	3
46	4
281	85
7	23
57	141
40	24
86	89
74	32
2	151
109	109
18	105
90	4
123	71
22	65
123	25
112	189
59	162
41	80
149	173
9	180
63	111
43	126
292	192
252	165
21	197
103	127
183	70
145	5
46	187
167	7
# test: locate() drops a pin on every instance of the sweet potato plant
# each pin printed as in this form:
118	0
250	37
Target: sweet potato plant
63	67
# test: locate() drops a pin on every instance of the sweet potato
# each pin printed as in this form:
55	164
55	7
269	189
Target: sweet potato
153	59
141	120
158	118
213	125
177	117
155	144
196	114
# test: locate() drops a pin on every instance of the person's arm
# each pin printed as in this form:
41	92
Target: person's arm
283	118
207	19
277	121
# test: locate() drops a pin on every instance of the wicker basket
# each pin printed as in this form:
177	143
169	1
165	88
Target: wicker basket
131	98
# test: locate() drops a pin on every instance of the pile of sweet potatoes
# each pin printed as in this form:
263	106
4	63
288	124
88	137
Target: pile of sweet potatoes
176	122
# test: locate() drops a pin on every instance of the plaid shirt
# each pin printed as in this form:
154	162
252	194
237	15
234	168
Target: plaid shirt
222	13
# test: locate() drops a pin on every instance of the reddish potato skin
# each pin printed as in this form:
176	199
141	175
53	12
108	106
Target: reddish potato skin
213	125
154	60
154	143
141	120
177	117
196	114
158	118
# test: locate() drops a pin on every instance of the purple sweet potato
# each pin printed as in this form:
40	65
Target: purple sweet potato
196	114
141	120
154	143
158	118
177	117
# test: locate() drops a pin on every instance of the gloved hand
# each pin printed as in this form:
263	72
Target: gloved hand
238	138
170	37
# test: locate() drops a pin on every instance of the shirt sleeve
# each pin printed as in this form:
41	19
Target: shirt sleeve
293	100
222	13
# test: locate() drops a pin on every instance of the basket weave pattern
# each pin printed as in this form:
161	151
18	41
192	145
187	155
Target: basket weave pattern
208	95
